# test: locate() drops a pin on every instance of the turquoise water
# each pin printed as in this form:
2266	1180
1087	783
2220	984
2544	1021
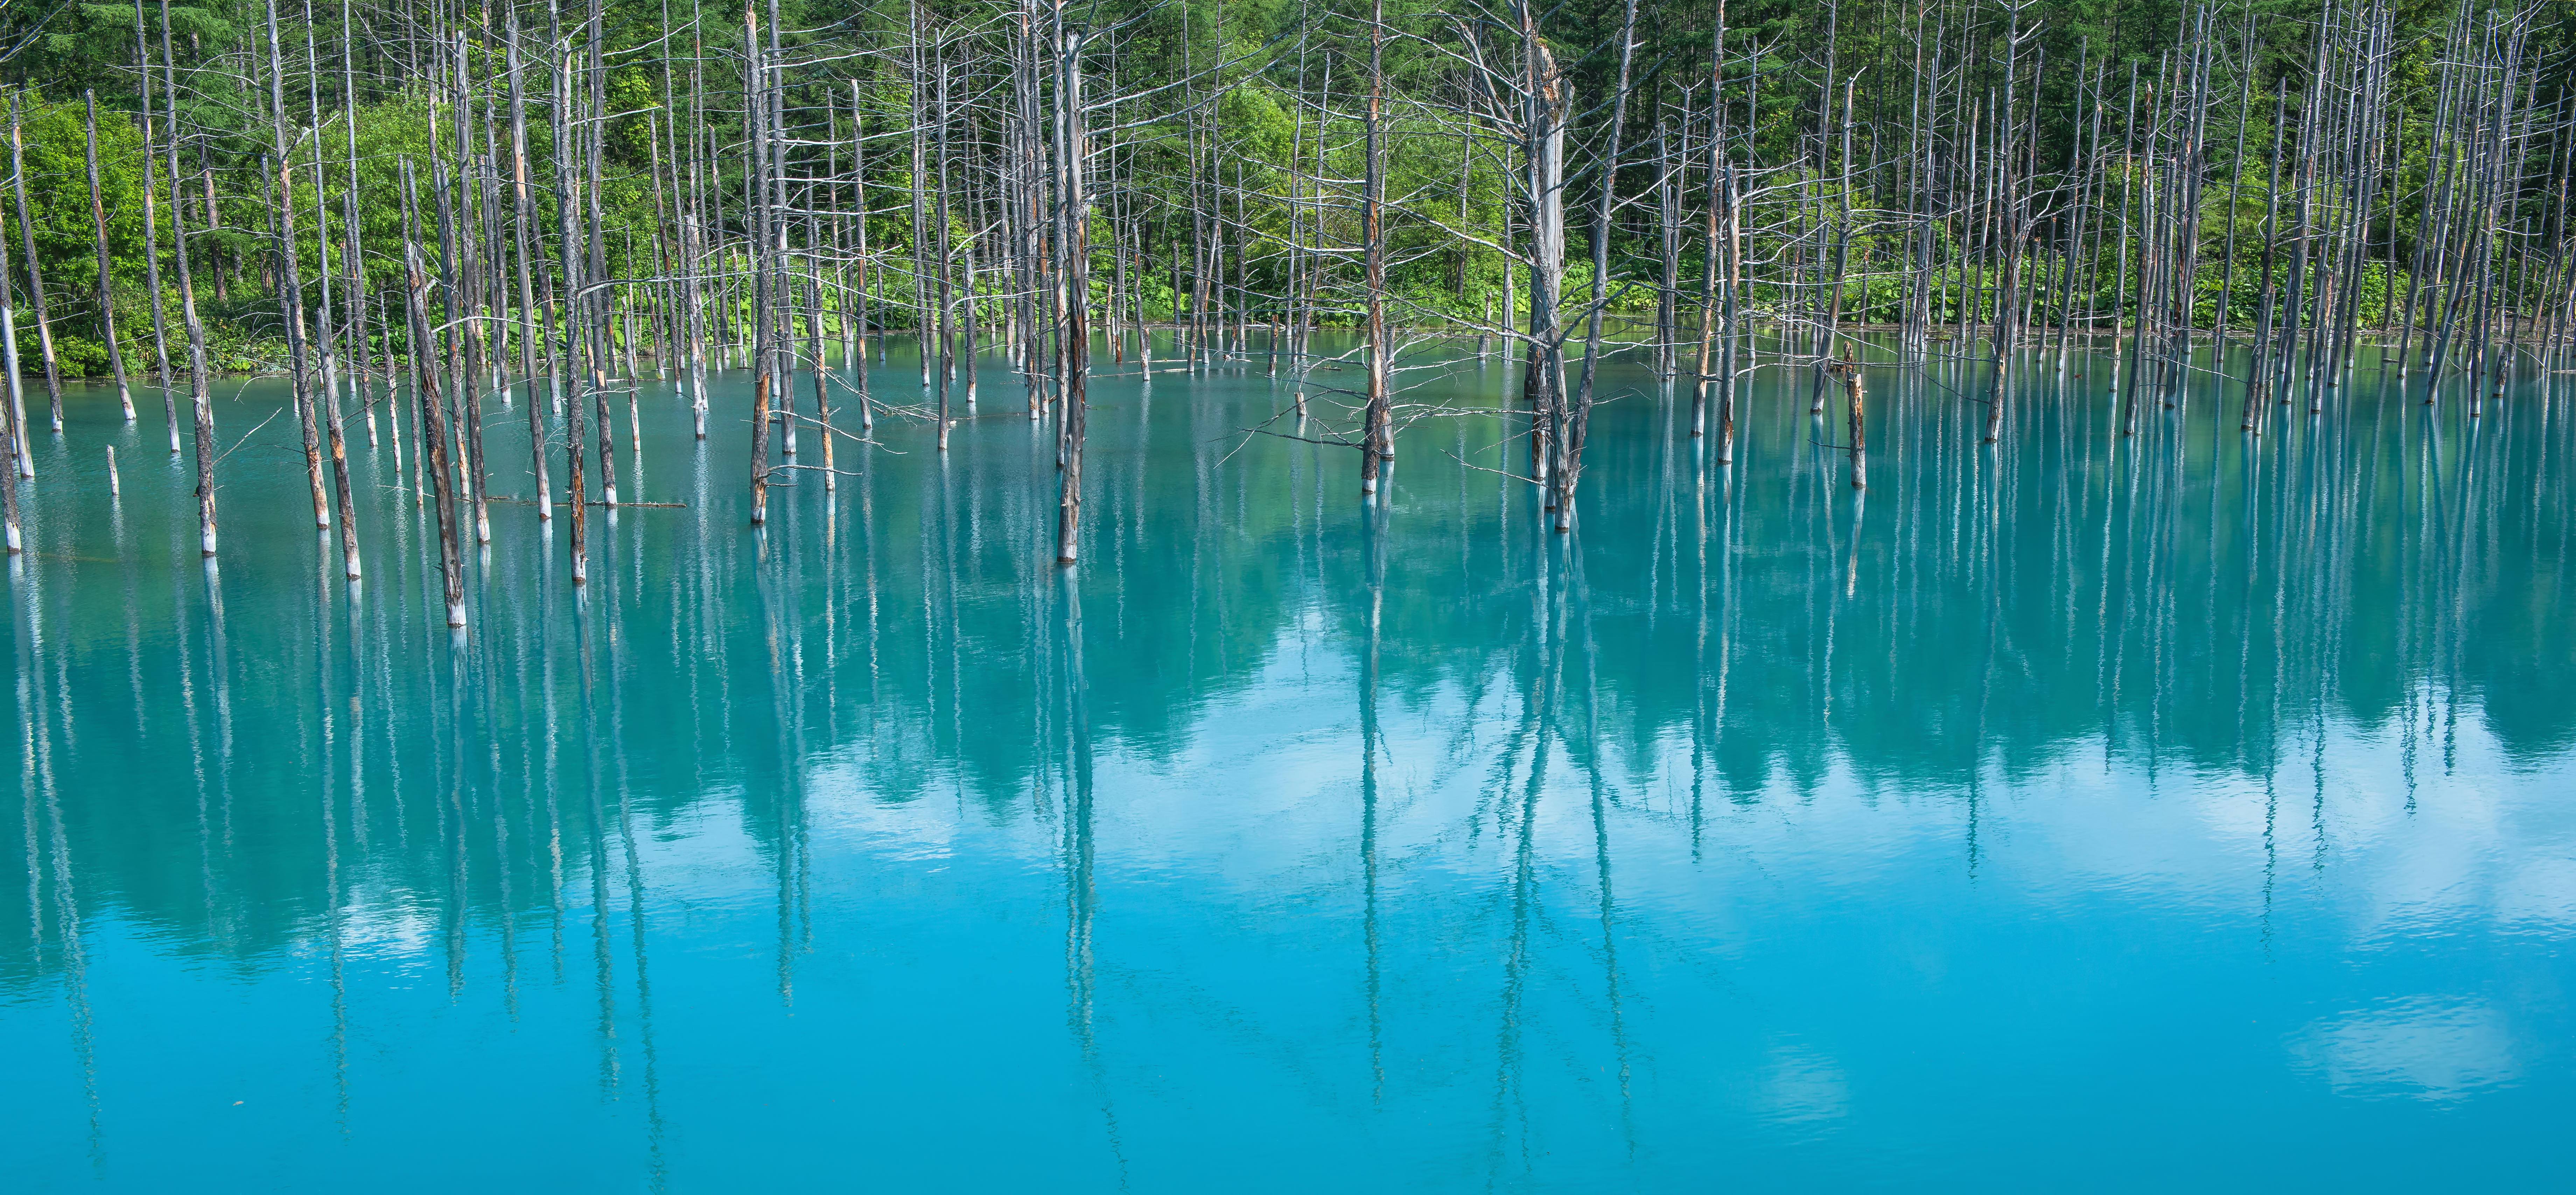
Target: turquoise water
2190	810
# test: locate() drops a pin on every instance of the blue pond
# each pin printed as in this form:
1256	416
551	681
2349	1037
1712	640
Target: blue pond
2187	810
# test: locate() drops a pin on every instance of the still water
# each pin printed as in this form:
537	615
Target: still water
2097	812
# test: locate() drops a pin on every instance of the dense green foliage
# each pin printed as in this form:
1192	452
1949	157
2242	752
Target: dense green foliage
1212	115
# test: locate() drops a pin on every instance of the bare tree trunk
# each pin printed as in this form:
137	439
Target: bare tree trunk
277	173
1376	439
1577	423
1074	239
201	396
35	286
755	85
523	219
433	419
152	229
13	419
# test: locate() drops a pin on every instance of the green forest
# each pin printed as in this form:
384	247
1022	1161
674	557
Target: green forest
1879	152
